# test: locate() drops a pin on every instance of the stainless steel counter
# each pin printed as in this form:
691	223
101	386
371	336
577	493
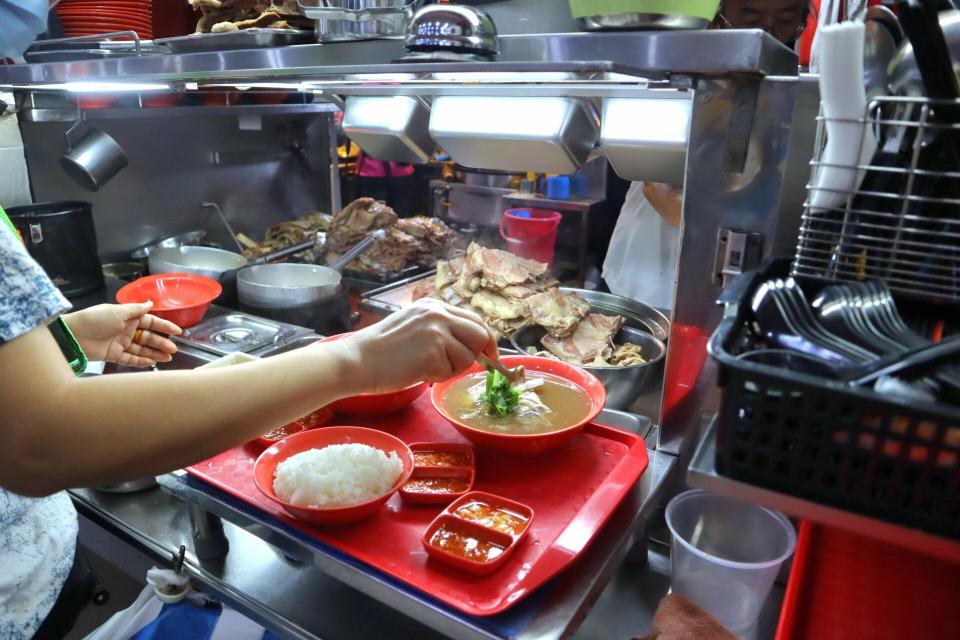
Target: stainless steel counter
298	592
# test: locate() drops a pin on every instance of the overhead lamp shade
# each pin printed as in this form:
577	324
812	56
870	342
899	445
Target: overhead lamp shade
541	134
390	127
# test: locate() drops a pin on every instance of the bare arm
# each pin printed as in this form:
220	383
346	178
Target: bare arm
667	200
61	431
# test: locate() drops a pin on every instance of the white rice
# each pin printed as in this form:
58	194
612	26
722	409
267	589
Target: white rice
337	475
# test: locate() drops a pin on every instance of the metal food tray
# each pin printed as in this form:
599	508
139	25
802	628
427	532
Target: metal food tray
365	281
394	296
243	39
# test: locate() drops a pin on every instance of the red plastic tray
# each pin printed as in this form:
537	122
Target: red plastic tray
573	490
844	586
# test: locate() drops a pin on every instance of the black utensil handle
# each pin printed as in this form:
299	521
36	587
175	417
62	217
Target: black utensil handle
905	361
921	23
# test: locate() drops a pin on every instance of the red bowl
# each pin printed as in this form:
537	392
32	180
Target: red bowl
533	442
376	404
266	466
181	298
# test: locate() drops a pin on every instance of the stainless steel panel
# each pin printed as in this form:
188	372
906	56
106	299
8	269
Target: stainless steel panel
390	128
645	139
468	204
654	54
715	199
178	162
548	135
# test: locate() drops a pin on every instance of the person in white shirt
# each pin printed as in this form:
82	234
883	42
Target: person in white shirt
647	234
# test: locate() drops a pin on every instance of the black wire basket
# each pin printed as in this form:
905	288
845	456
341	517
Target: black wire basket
828	442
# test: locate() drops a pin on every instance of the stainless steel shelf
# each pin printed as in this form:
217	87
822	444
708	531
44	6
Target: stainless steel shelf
702	474
653	55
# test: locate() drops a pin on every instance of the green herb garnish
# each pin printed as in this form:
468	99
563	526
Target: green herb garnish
500	398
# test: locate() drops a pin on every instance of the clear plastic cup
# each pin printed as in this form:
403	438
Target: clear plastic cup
725	555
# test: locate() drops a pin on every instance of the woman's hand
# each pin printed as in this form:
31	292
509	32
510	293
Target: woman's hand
123	333
428	340
666	199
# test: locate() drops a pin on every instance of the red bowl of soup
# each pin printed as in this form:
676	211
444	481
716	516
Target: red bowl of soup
341	510
376	404
574	397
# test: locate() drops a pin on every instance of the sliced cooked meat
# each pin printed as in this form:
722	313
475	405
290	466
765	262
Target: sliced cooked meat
593	337
448	271
557	312
355	220
502	269
497	306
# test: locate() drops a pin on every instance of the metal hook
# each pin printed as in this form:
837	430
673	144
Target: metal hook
226	223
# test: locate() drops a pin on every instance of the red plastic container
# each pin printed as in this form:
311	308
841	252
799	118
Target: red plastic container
181	298
574	489
275	436
486	519
530	233
376	404
266	466
461	472
319	418
845	586
533	442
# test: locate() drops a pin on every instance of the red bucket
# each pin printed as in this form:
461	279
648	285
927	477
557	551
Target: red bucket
530	233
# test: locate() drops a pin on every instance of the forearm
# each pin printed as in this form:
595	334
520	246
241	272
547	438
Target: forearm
110	428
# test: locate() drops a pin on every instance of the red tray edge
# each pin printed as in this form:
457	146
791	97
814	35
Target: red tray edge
636	454
793	599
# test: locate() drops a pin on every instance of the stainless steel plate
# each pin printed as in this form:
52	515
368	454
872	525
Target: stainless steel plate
234	333
243	39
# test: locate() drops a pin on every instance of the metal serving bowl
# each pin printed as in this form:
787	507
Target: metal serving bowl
202	261
188	238
623	384
636	314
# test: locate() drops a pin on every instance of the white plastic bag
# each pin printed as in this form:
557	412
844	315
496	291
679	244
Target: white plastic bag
641	260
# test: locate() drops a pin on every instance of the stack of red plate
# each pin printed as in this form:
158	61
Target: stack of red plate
92	17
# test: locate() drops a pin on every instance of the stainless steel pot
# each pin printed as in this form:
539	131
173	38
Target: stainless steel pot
93	158
190	238
203	261
340	20
307	295
128	271
482	178
623	384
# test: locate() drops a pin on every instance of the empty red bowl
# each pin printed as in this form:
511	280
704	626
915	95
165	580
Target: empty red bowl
266	466
376	404
532	442
181	298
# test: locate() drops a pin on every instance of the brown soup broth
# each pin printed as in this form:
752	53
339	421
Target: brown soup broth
568	403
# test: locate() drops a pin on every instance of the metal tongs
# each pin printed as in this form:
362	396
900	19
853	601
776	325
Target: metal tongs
515	375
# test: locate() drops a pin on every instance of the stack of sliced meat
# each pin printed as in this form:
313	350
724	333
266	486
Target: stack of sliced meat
408	241
221	16
510	293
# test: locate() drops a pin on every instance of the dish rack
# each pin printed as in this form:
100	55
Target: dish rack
825	441
901	222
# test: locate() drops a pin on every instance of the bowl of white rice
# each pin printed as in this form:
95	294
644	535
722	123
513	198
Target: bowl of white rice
334	475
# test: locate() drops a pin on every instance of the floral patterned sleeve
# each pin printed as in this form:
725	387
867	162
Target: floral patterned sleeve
28	299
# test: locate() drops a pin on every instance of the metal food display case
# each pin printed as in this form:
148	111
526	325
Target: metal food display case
734	98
